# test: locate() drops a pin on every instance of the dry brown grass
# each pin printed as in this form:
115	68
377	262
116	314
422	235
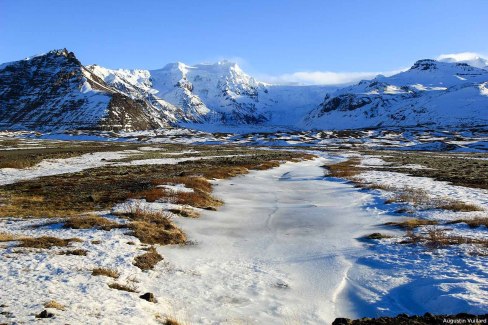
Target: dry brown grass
224	172
46	242
152	233
27	205
383	187
78	252
412	223
91	221
267	165
412	196
28	157
54	304
437	238
459	206
194	182
4	237
101	188
185	212
473	223
198	199
129	287
105	272
9	142
422	199
148	260
152	195
17	164
346	169
153	227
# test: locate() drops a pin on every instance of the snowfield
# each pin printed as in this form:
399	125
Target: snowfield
283	248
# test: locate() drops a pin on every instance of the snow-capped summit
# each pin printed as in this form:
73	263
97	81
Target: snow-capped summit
55	91
209	92
473	59
429	93
218	93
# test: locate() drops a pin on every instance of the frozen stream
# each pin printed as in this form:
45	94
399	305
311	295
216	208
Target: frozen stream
278	251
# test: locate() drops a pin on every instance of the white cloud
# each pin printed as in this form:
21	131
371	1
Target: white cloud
471	58
322	77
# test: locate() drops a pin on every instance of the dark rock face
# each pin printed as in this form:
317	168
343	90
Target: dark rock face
424	65
426	319
55	92
149	297
45	314
347	102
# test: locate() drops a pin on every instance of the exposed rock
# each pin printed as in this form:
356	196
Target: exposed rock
45	314
149	297
54	91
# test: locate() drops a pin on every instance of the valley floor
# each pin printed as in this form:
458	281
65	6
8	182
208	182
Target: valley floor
286	247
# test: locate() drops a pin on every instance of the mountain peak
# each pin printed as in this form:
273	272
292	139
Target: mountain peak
425	65
471	58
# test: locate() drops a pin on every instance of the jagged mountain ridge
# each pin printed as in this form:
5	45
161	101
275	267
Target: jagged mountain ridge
219	93
432	93
55	91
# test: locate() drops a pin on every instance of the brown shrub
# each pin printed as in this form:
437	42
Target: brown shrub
419	197
152	227
129	287
198	199
152	195
459	206
383	187
91	221
473	223
194	182
138	212
266	165
54	304
186	212
377	235
412	223
346	169
7	237
414	196
79	252
436	238
101	188
46	242
148	260
224	172
105	272
153	233
19	163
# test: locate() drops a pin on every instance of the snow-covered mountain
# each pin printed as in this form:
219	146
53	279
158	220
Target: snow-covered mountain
473	59
434	93
219	93
55	91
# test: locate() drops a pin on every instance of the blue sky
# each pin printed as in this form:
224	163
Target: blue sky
269	38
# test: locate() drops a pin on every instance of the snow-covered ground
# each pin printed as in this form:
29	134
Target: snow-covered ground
49	167
283	248
280	248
